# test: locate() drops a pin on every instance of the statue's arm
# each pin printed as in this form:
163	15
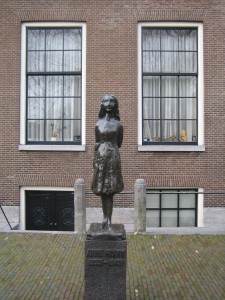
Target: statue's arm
97	138
97	144
120	136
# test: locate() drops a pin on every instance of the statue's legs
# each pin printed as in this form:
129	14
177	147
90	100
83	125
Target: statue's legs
107	207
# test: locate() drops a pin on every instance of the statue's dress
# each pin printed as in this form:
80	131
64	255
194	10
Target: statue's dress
107	178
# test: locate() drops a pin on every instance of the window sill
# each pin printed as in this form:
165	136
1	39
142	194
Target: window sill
171	148
51	147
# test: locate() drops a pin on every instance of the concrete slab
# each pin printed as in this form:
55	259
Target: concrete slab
214	220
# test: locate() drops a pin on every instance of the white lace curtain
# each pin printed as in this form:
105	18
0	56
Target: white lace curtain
54	96
169	85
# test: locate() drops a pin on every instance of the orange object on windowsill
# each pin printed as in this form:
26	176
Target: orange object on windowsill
183	136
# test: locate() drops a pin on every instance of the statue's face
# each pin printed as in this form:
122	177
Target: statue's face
109	104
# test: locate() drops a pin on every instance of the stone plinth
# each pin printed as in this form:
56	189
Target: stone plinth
105	263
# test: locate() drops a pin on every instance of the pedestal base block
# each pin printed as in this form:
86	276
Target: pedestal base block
105	263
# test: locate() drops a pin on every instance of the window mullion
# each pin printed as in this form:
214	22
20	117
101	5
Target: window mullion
63	85
160	88
178	112
45	103
63	110
45	112
160	110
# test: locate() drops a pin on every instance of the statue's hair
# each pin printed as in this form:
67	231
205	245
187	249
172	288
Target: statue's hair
115	112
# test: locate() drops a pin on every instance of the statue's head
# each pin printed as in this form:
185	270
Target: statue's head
114	111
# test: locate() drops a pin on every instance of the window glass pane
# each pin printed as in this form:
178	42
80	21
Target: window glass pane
188	39
151	86
152	200
54	130
151	61
169	200
169	218
169	62
151	108
72	132
187	86
187	218
187	200
72	61
55	99
54	39
35	130
36	108
190	128
152	218
151	39
169	108
72	86
54	86
72	39
36	61
36	86
169	131
54	61
54	109
188	62
151	131
188	108
169	86
169	39
36	39
72	108
174	51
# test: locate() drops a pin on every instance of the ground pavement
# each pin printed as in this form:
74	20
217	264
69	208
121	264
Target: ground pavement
51	266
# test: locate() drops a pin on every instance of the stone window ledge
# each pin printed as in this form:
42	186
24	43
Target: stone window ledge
171	148
51	147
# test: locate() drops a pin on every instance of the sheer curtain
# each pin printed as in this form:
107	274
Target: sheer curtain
169	85
54	92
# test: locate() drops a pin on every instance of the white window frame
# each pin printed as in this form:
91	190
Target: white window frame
23	145
200	146
35	188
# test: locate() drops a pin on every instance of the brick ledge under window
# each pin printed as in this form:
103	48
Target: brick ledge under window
51	147
170	148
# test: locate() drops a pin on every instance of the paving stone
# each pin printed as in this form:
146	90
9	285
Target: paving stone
51	266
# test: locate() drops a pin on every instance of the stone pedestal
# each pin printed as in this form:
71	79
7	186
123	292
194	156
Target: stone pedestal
105	263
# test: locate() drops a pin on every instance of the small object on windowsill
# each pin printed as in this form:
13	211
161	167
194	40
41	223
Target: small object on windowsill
53	139
76	138
183	136
146	140
157	138
194	138
171	138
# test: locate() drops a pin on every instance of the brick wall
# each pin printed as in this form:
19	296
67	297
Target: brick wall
112	67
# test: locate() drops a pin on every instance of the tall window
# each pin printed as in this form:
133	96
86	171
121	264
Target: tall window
171	208
170	71
53	85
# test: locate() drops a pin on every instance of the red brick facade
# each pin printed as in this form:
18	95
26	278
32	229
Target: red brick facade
112	66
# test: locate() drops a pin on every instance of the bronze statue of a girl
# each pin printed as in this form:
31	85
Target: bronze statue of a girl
107	178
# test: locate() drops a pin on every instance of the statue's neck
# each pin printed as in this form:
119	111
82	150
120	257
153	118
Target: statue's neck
108	116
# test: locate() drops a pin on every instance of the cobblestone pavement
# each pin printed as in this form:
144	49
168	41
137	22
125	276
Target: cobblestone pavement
51	266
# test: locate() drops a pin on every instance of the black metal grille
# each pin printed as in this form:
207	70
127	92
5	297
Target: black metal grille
50	210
